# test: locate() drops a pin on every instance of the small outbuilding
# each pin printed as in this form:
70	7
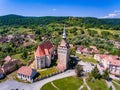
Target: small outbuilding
26	73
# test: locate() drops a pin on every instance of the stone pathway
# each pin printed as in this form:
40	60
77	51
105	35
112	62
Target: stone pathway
81	87
84	80
84	84
109	84
54	86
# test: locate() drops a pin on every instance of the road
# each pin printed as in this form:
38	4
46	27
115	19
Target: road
12	84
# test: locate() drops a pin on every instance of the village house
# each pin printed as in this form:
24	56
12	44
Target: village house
3	39
116	44
7	59
9	38
109	62
44	54
26	73
31	36
87	51
11	66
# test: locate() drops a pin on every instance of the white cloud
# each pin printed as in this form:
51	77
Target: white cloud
112	15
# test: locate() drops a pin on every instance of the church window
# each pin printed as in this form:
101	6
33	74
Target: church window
41	61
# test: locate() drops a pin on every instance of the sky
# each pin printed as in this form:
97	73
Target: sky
79	8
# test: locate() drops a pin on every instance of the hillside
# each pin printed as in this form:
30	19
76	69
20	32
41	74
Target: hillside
88	22
84	31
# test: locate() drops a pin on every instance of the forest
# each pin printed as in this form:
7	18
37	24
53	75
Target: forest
88	22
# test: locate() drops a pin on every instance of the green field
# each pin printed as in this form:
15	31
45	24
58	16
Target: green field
24	61
84	88
47	71
100	30
98	85
87	58
48	86
69	83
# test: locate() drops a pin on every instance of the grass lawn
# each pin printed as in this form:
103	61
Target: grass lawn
48	86
47	71
84	88
87	58
98	85
24	61
18	56
69	83
100	30
116	86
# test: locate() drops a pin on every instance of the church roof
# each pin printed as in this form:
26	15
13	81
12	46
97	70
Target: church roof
63	43
44	49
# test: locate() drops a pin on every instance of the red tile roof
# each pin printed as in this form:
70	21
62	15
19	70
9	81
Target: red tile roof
44	49
113	60
63	43
10	66
80	48
93	47
86	50
25	70
8	58
90	50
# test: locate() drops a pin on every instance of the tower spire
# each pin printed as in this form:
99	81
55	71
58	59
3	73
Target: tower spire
64	33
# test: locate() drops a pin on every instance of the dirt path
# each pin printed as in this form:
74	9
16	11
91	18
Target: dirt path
54	86
109	84
84	84
81	87
84	80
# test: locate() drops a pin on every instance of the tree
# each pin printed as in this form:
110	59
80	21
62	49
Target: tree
78	70
72	63
95	73
106	74
24	55
72	51
16	66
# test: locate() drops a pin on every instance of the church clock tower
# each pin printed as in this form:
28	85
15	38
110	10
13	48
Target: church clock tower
63	52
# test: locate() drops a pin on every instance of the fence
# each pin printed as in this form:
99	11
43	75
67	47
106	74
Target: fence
47	76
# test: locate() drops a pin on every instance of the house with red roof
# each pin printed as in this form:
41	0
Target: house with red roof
11	66
8	59
109	62
44	54
26	73
87	51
